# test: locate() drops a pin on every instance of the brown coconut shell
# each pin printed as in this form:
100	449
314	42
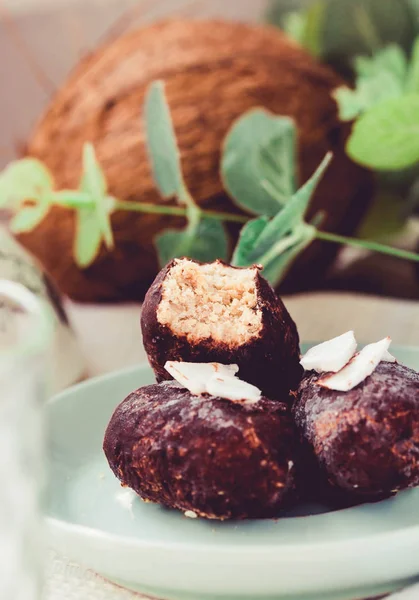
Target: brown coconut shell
214	71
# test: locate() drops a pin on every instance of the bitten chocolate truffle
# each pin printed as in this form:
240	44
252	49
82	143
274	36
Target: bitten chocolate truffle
217	458
197	312
366	440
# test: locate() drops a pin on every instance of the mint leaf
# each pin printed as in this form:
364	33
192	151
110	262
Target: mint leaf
369	92
391	59
26	179
351	103
387	136
380	77
206	242
258	161
249	235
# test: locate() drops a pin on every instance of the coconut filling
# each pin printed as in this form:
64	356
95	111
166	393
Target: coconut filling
210	301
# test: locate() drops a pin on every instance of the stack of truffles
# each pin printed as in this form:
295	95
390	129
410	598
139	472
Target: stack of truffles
238	425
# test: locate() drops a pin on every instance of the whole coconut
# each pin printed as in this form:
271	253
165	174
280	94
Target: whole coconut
214	71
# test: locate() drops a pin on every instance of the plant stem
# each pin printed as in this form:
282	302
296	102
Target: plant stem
375	246
179	211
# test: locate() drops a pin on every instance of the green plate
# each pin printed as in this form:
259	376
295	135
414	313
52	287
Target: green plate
310	554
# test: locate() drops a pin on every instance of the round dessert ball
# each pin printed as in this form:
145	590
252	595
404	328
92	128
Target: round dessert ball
366	441
214	71
212	312
219	459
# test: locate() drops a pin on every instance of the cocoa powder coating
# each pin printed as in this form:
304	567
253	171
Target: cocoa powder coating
270	360
217	458
366	441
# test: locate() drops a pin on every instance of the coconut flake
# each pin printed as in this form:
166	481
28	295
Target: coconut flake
190	514
330	356
214	379
358	369
126	498
233	389
388	357
194	376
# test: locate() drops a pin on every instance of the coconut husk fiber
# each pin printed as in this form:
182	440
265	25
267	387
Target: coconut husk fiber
214	71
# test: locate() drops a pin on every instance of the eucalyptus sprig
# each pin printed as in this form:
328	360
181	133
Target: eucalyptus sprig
258	168
203	238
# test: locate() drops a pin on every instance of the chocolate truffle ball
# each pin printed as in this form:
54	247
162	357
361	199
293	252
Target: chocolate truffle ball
212	456
366	440
197	312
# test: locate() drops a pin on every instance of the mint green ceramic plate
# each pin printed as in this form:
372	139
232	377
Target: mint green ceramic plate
313	554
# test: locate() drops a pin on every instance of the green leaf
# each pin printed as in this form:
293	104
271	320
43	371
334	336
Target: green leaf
393	59
211	241
72	199
94	183
349	28
370	92
168	245
291	216
312	37
379	78
206	243
28	217
277	268
93	178
277	165
258	161
26	179
161	141
413	73
88	237
350	103
386	218
387	136
249	235
294	24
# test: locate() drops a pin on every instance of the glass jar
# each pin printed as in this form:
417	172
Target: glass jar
25	338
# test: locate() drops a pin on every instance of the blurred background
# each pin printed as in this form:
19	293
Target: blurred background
68	77
42	40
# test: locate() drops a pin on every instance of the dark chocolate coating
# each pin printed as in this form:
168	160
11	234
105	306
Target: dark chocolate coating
220	459
270	361
366	441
